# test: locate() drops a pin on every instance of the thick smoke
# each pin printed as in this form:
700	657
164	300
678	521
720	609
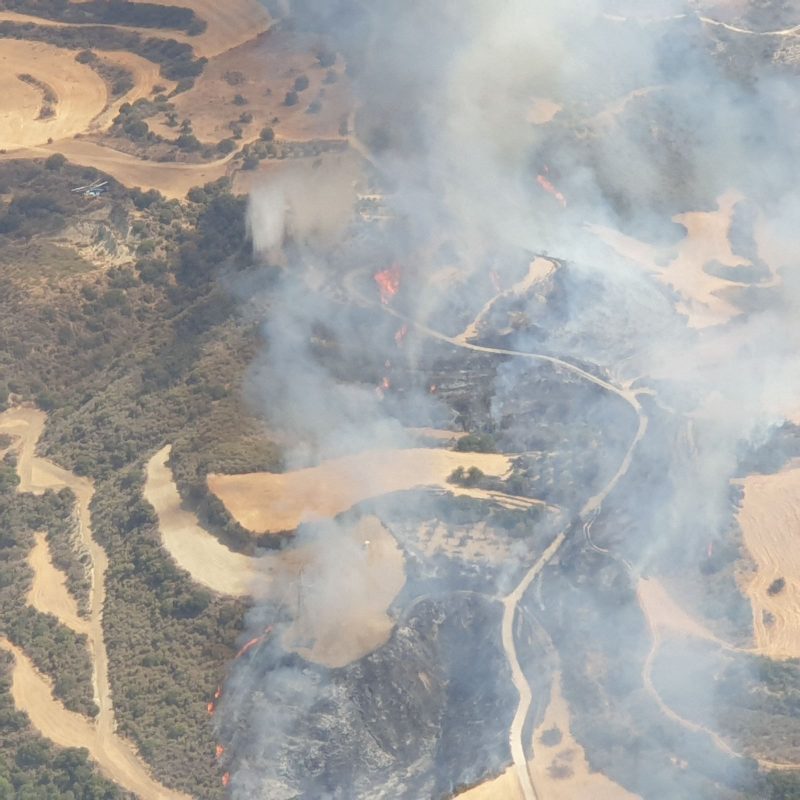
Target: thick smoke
660	114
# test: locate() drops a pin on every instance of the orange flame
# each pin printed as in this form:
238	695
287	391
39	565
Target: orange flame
211	708
401	334
220	751
547	185
434	388
253	642
218	693
226	779
248	646
388	282
383	387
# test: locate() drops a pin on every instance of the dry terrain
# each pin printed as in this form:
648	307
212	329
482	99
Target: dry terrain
194	549
663	613
262	71
229	24
266	502
80	93
340	606
49	593
682	269
503	787
245	57
543	110
337	588
770	521
32	692
560	771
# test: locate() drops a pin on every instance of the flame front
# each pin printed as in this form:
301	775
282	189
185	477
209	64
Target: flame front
388	282
548	186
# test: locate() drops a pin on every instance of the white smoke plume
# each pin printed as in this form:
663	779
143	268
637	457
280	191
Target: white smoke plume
657	113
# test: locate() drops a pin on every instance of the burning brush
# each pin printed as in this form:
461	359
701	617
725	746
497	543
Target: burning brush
388	282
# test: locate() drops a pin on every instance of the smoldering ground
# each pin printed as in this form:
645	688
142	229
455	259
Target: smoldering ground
658	117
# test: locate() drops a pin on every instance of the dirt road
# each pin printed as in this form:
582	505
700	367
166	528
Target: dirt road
209	562
793	31
510	605
587	512
33	694
115	756
49	593
173	180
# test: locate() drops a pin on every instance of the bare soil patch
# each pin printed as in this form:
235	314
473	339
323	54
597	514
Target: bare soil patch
337	589
49	593
770	521
664	613
504	787
543	110
682	270
266	502
561	772
81	94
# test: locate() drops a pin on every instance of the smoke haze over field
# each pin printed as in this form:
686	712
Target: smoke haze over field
658	117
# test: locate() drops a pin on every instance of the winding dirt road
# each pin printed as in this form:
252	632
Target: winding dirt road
32	692
586	514
793	31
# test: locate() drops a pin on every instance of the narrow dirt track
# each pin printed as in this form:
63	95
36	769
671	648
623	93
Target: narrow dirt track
115	756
